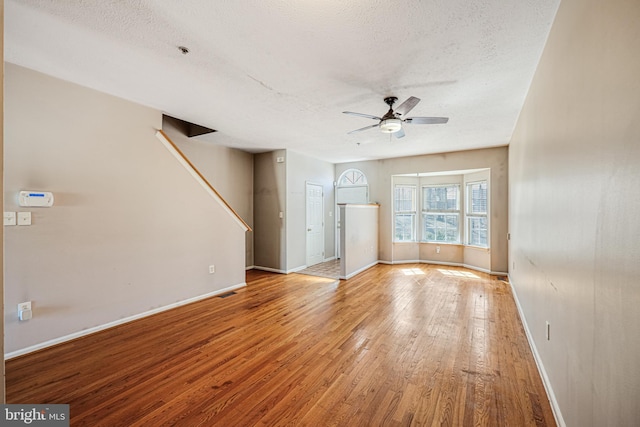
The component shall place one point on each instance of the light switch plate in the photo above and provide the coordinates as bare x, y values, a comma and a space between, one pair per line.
24, 218
24, 306
9, 218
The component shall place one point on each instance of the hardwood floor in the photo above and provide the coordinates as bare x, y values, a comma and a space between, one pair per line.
396, 345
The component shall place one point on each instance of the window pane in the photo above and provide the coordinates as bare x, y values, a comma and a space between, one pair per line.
440, 228
478, 197
429, 221
404, 198
405, 213
429, 234
478, 232
440, 198
404, 226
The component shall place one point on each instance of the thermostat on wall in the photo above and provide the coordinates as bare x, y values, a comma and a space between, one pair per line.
38, 199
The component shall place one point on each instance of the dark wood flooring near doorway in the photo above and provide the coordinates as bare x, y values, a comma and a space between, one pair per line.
396, 345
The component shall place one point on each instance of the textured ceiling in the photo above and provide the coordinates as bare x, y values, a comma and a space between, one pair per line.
271, 74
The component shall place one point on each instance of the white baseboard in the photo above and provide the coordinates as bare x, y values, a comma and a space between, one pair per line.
269, 269
499, 273
276, 270
404, 261
360, 270
331, 258
99, 328
555, 407
451, 264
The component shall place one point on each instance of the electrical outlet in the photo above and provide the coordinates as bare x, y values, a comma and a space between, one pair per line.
212, 269
437, 249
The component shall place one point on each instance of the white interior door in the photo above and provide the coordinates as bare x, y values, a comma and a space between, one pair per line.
315, 224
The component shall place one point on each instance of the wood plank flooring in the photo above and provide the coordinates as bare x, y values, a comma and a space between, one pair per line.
396, 345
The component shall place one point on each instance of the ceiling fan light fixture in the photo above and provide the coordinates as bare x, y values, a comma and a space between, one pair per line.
391, 125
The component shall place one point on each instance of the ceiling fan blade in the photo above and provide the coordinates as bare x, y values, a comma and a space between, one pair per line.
407, 105
368, 116
399, 134
426, 120
364, 128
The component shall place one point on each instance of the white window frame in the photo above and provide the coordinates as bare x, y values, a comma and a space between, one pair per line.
412, 213
474, 216
446, 212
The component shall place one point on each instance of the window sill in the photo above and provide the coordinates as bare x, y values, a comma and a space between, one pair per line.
479, 248
442, 243
483, 248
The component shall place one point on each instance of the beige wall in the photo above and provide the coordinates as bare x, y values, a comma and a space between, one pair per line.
574, 203
302, 169
2, 398
269, 231
131, 231
380, 174
228, 170
280, 243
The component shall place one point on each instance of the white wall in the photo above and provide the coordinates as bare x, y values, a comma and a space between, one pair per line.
574, 203
131, 230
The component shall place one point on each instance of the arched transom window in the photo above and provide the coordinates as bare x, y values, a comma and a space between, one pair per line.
352, 187
352, 177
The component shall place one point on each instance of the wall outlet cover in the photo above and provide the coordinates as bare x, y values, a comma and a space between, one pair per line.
10, 218
24, 218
